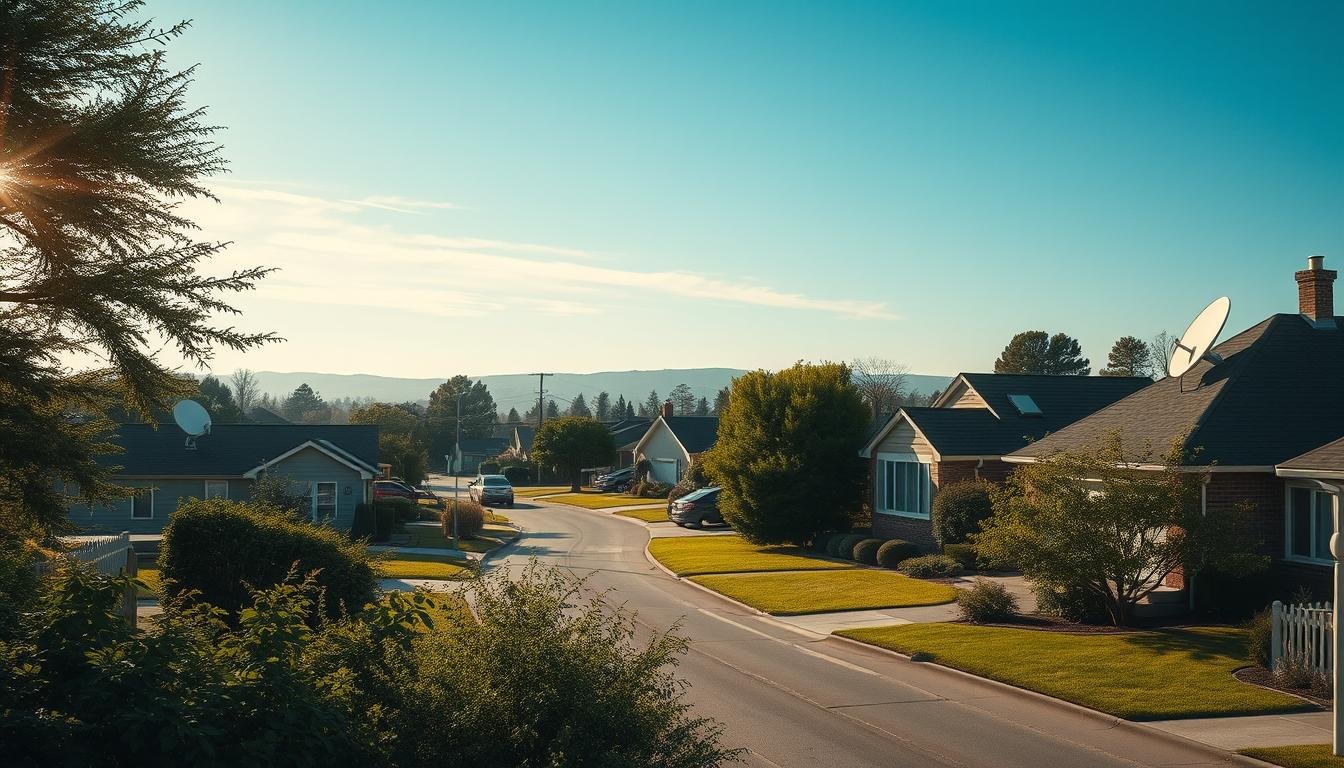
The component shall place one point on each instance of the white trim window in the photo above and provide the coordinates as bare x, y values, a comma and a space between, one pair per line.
324, 502
903, 486
216, 489
142, 505
1308, 522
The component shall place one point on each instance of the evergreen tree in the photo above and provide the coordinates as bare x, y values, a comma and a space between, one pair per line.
304, 406
619, 412
478, 414
1130, 356
513, 416
99, 146
682, 399
1036, 352
702, 407
629, 410
580, 408
602, 407
652, 405
218, 401
720, 402
552, 410
530, 417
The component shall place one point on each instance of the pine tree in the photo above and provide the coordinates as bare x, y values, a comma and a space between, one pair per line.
652, 405
620, 410
602, 407
702, 407
682, 399
513, 416
552, 410
580, 408
629, 410
1130, 356
1036, 352
218, 401
720, 402
478, 413
305, 406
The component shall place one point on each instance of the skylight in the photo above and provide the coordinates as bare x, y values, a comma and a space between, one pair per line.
1025, 405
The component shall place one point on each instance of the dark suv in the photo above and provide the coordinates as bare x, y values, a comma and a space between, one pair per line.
491, 490
696, 508
618, 480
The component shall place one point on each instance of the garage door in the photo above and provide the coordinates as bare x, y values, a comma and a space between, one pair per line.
664, 470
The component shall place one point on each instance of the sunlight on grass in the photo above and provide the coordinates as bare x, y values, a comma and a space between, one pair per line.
694, 555
540, 490
795, 592
1137, 676
1296, 756
150, 575
605, 500
401, 566
651, 515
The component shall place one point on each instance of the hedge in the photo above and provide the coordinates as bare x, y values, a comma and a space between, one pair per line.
890, 554
929, 567
842, 546
958, 510
964, 554
866, 551
221, 549
362, 525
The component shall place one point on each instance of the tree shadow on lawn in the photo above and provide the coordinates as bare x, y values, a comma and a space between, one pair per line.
1220, 642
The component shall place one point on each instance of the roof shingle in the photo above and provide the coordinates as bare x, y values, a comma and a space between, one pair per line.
230, 450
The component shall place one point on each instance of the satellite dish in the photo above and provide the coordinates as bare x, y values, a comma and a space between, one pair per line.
192, 417
1197, 341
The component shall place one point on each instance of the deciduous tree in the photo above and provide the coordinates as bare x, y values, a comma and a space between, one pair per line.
246, 389
682, 399
440, 423
1159, 350
881, 382
218, 401
570, 443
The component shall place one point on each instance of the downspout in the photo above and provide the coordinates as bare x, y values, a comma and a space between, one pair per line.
1204, 512
980, 462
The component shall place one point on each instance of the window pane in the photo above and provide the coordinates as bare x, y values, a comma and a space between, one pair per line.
143, 506
1325, 524
325, 507
216, 489
1300, 516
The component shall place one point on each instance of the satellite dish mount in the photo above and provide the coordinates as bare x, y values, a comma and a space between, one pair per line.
1197, 342
193, 419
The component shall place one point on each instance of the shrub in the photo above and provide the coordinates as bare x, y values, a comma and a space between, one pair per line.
866, 551
520, 474
650, 489
1071, 603
987, 601
821, 542
959, 509
488, 467
384, 519
1259, 638
693, 480
222, 548
470, 519
893, 552
361, 527
929, 567
842, 546
403, 510
964, 554
1293, 670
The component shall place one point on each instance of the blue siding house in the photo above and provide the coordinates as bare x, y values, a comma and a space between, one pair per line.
333, 466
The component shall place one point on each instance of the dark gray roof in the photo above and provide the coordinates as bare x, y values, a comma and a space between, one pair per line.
627, 436
977, 432
1275, 396
485, 446
261, 415
525, 434
1327, 458
696, 434
231, 450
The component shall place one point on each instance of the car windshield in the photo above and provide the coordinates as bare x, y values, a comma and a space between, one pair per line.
494, 480
700, 494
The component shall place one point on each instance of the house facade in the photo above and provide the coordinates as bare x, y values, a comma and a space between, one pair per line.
965, 435
1263, 420
672, 443
333, 466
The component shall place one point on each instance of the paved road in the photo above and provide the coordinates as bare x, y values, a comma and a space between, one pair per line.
794, 698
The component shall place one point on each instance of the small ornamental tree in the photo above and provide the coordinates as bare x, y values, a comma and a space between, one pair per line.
787, 453
1116, 534
959, 509
569, 444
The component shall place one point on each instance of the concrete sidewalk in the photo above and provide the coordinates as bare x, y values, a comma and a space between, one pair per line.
1233, 733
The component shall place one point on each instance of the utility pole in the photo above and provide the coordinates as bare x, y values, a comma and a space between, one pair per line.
457, 449
541, 407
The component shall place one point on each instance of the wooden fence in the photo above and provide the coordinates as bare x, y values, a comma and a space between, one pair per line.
110, 555
1305, 631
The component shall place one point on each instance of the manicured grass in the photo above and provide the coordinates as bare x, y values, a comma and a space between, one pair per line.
1296, 756
795, 592
605, 500
150, 575
399, 566
695, 555
431, 537
650, 515
539, 490
1137, 676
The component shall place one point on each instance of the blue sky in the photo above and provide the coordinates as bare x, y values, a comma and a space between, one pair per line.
498, 187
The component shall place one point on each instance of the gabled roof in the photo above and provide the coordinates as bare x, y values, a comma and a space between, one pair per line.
490, 446
629, 435
260, 415
332, 452
1275, 396
1001, 428
696, 434
232, 450
1325, 461
525, 433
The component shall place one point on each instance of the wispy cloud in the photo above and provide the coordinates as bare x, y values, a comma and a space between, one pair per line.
403, 204
384, 266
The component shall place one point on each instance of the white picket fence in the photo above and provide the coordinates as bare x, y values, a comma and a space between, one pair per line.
110, 555
1304, 630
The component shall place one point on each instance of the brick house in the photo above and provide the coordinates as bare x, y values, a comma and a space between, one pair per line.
1266, 422
965, 434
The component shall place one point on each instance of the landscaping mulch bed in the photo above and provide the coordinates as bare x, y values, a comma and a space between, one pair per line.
1262, 677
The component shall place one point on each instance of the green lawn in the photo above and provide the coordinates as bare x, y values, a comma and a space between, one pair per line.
650, 515
605, 500
1297, 756
492, 536
795, 592
540, 490
150, 575
1137, 676
695, 555
399, 566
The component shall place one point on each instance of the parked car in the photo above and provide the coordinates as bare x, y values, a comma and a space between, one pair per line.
696, 508
491, 490
425, 493
385, 489
615, 481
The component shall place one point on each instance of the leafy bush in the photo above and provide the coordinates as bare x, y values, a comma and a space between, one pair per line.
959, 509
985, 602
1293, 670
693, 480
520, 474
866, 551
820, 542
384, 519
403, 510
470, 518
222, 549
964, 554
1259, 642
488, 467
361, 527
650, 489
842, 546
929, 567
279, 492
894, 552
1071, 603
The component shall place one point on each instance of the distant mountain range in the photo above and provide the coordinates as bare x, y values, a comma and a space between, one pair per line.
519, 390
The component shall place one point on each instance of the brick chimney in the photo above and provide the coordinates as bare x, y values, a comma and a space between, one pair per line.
1316, 291
667, 408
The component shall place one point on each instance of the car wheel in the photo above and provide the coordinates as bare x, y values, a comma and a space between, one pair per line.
510, 504
697, 524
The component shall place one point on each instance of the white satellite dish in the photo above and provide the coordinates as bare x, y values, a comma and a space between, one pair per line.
192, 417
1197, 341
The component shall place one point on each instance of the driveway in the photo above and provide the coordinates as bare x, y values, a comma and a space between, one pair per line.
797, 697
